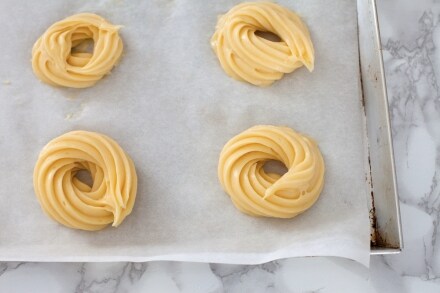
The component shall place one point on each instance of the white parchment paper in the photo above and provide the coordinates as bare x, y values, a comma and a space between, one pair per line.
172, 108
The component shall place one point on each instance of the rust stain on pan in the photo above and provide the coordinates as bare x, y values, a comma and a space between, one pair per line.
372, 213
373, 233
368, 177
376, 238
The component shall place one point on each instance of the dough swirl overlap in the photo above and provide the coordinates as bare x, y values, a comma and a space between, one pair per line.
73, 203
257, 193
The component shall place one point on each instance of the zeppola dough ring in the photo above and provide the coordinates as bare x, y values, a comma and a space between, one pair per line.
246, 56
73, 203
54, 62
257, 193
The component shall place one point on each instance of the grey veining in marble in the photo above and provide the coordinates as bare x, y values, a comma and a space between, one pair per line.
411, 40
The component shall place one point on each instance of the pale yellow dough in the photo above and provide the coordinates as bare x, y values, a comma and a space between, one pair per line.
73, 203
54, 62
257, 193
248, 57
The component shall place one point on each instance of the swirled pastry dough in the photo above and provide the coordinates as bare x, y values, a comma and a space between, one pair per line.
257, 193
54, 61
246, 56
72, 202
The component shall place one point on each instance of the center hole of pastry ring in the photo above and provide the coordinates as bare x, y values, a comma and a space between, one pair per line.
268, 36
85, 177
86, 45
275, 167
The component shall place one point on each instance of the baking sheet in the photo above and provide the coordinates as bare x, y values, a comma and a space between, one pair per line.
172, 108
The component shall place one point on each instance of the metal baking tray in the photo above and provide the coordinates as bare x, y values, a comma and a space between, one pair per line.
386, 231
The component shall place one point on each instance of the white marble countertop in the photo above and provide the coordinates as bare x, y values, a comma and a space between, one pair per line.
410, 36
